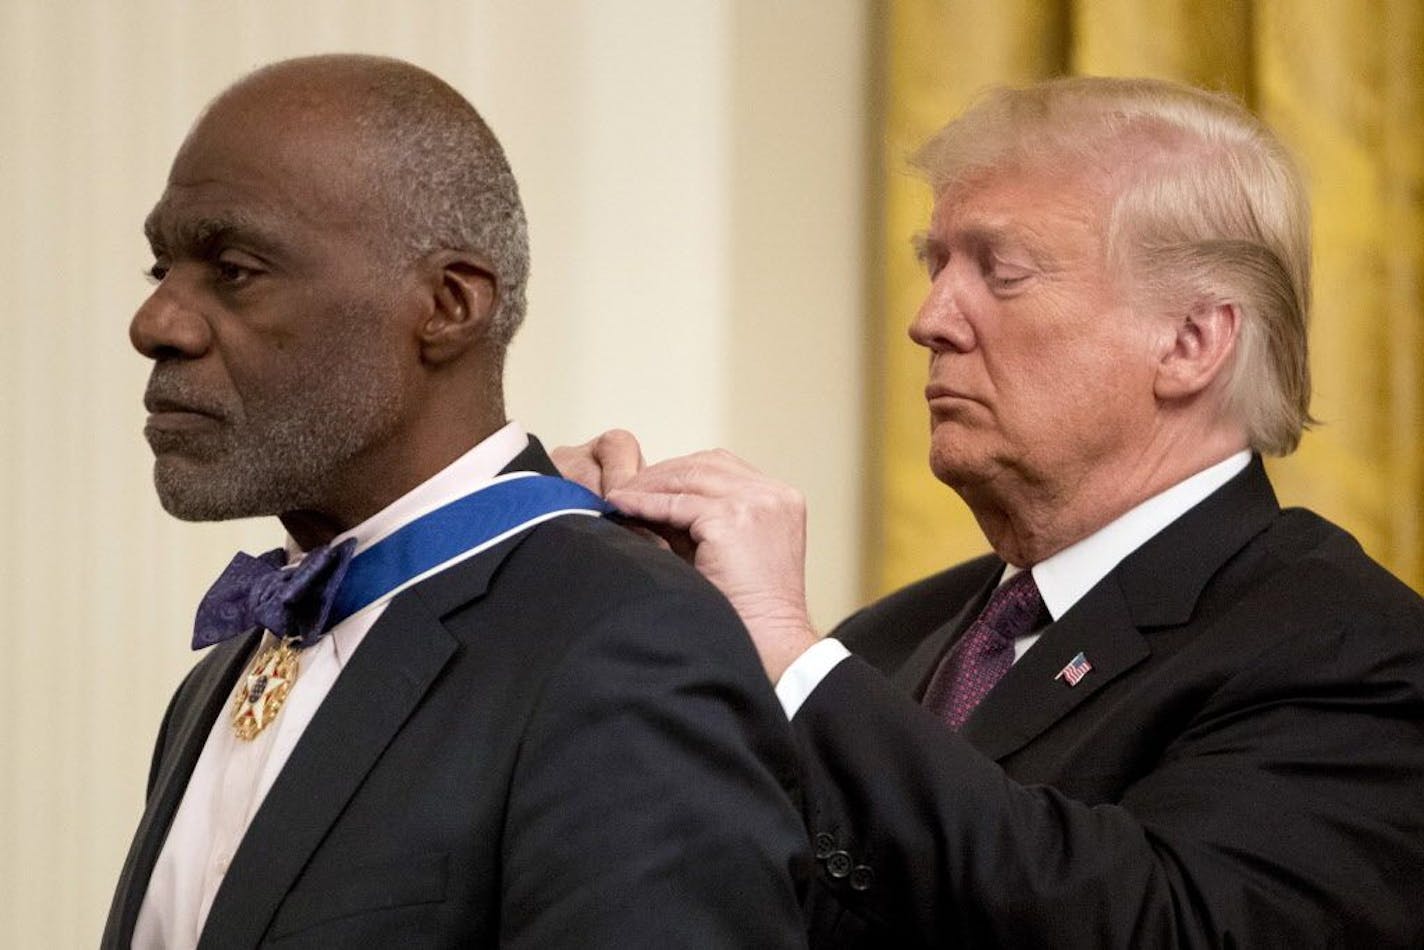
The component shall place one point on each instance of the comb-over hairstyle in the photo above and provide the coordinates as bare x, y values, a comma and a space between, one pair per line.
1206, 207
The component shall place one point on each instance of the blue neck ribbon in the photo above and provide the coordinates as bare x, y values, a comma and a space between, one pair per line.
466, 525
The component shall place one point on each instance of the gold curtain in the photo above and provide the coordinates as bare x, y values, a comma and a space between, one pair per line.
1340, 82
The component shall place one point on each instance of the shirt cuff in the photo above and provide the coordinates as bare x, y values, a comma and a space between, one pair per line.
806, 672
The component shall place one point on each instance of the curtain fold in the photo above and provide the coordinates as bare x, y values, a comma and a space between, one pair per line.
1341, 84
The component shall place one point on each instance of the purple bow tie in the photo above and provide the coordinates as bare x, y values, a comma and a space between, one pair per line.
257, 592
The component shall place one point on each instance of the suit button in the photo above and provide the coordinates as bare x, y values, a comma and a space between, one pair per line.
825, 844
838, 864
861, 877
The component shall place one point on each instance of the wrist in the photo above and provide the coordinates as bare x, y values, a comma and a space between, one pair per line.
780, 638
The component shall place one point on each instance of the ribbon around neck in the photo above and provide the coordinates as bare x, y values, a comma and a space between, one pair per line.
330, 584
465, 527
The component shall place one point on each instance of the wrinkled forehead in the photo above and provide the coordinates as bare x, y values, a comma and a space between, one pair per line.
1036, 216
999, 195
248, 160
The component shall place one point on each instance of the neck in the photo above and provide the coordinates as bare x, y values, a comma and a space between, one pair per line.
311, 529
1028, 522
372, 480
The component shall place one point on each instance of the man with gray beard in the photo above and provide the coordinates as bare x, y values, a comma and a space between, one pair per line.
458, 707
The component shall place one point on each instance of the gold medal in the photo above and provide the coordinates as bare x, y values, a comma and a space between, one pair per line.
262, 691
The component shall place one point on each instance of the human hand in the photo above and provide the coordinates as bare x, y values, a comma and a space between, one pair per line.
602, 463
744, 531
607, 461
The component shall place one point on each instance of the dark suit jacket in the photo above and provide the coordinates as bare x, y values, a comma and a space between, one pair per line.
1243, 766
566, 741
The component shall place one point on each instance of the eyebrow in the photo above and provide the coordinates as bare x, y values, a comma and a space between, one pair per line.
979, 237
923, 245
199, 234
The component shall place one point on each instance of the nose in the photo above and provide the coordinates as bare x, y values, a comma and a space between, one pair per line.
941, 324
165, 326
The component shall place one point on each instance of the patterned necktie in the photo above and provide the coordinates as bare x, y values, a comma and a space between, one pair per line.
985, 652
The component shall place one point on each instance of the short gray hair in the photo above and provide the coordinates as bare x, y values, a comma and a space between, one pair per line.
438, 171
1207, 208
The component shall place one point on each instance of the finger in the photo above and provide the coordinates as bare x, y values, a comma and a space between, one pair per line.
713, 473
618, 456
672, 539
577, 464
654, 534
662, 509
676, 540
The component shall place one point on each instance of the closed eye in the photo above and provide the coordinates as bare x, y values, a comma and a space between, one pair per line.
1007, 281
1003, 275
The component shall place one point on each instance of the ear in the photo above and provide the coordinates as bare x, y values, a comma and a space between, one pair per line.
463, 298
1199, 347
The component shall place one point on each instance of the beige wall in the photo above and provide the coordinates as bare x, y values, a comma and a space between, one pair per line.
693, 175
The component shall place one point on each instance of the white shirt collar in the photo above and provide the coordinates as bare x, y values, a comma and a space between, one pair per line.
456, 480
1066, 576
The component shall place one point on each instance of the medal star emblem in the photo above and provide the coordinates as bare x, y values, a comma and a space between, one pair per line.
263, 689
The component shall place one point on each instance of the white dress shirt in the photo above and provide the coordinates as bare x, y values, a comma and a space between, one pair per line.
232, 776
1062, 579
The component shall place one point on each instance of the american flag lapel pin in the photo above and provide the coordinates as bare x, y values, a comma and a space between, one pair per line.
1077, 668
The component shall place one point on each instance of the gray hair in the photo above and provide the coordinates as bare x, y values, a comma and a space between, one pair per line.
1207, 208
437, 170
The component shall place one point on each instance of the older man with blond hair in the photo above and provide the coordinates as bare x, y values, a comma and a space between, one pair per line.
1164, 712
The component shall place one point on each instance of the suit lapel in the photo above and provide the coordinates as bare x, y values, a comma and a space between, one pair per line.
532, 458
1156, 586
914, 674
1030, 698
210, 688
366, 707
381, 685
370, 700
1162, 580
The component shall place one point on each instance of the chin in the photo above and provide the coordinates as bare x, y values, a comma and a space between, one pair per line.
187, 504
190, 494
953, 461
954, 472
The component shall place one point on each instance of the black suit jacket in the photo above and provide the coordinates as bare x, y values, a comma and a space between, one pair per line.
566, 741
1243, 766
